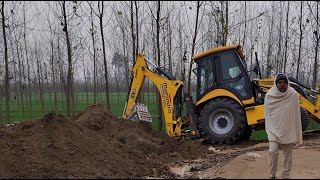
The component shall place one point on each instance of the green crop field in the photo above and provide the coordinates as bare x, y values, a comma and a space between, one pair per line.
36, 110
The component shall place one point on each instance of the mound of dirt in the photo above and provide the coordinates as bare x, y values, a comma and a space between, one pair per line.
93, 144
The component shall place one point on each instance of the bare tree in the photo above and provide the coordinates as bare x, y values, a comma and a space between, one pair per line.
21, 73
225, 24
121, 25
300, 40
104, 56
132, 33
6, 63
70, 72
193, 44
159, 110
317, 36
270, 42
278, 63
245, 24
286, 39
137, 27
92, 31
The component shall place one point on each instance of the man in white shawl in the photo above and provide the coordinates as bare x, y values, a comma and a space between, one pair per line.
283, 123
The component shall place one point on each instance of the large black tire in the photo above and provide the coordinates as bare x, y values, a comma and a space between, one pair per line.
304, 119
304, 113
246, 133
222, 121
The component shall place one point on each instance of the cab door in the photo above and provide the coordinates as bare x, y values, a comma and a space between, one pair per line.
232, 74
206, 76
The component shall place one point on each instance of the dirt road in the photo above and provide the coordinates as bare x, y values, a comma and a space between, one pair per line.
252, 162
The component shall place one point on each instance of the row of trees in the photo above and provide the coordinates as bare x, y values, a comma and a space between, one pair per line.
64, 46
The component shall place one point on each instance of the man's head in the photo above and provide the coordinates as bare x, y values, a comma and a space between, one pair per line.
282, 82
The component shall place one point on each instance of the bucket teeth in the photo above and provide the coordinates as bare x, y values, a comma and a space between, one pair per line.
140, 112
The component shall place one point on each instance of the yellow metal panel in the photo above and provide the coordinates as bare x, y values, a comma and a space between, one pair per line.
318, 103
136, 84
214, 50
255, 114
218, 93
307, 105
248, 101
265, 82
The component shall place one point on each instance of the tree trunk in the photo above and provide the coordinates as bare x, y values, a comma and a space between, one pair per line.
87, 91
105, 60
94, 62
169, 46
14, 76
193, 46
126, 65
278, 63
158, 97
300, 42
6, 63
69, 75
85, 80
245, 24
137, 28
132, 34
286, 40
181, 65
39, 78
117, 87
20, 67
226, 28
61, 77
154, 53
48, 89
315, 65
269, 63
28, 64
53, 77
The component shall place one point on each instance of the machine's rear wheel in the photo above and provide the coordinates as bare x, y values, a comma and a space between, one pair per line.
222, 121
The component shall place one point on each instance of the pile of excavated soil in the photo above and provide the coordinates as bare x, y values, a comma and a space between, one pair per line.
93, 144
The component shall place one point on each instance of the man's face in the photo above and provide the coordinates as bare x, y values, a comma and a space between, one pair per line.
282, 85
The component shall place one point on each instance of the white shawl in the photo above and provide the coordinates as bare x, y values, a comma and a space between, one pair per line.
282, 115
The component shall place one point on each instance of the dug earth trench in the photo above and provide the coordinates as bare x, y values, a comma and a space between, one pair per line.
96, 144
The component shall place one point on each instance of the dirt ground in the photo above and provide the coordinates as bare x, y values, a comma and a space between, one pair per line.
95, 144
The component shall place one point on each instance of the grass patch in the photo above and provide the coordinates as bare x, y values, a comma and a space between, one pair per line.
35, 109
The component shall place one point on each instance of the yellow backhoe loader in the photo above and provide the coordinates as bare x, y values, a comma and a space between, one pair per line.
228, 105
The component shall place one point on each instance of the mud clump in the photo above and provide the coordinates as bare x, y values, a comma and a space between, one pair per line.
92, 144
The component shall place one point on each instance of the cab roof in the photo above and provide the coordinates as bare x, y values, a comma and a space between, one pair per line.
216, 50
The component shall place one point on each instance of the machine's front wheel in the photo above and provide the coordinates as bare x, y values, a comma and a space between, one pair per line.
222, 121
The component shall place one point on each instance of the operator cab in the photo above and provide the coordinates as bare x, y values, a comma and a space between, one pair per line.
222, 68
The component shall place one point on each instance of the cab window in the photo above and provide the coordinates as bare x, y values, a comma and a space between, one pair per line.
233, 74
206, 75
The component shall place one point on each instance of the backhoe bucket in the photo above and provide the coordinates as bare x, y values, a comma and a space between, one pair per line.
140, 113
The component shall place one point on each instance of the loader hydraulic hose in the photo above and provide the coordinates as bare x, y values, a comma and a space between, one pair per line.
162, 71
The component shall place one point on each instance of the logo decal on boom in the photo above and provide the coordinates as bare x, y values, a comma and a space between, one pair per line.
165, 96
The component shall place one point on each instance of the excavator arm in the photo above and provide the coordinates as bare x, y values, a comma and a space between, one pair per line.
170, 91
